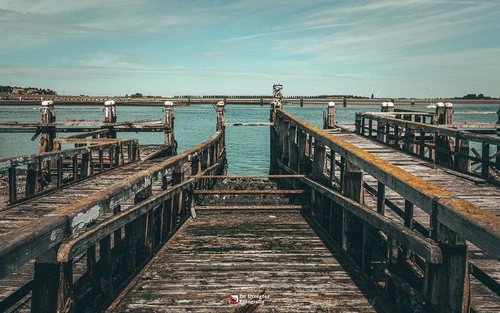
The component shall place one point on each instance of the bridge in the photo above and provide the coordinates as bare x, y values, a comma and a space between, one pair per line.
396, 213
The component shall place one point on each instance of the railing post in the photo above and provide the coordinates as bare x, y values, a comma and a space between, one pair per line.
283, 136
110, 116
65, 299
497, 159
446, 285
168, 122
301, 143
220, 115
46, 283
444, 113
352, 233
462, 163
292, 148
319, 162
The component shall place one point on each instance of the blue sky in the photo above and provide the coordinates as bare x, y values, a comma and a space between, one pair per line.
391, 48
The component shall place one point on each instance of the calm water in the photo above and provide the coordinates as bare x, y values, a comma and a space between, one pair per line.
247, 147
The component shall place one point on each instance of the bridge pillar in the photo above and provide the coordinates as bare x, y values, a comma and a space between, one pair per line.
168, 122
220, 114
447, 285
110, 116
329, 118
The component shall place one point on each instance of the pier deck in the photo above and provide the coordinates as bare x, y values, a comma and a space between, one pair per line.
473, 189
272, 254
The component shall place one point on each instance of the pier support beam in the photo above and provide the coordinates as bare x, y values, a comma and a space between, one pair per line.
168, 122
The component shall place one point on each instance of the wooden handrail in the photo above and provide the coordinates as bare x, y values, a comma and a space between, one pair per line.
16, 251
478, 226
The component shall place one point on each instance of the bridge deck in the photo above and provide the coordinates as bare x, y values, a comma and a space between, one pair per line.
474, 190
275, 255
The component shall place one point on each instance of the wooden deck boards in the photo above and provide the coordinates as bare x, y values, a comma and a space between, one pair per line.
273, 254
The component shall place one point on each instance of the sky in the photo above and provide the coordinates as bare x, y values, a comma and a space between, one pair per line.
389, 48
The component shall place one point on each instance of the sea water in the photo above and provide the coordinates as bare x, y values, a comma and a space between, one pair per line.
247, 146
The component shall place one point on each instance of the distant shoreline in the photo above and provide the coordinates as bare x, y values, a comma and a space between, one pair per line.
241, 101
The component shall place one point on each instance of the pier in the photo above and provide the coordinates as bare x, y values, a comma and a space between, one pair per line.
396, 212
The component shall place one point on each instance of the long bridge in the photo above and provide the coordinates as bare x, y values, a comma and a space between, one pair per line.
397, 212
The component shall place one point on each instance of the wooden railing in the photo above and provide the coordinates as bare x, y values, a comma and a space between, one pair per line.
464, 151
125, 241
431, 268
51, 170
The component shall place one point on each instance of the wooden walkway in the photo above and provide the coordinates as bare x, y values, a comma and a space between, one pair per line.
272, 257
14, 217
472, 189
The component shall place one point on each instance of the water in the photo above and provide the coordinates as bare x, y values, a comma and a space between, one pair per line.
247, 147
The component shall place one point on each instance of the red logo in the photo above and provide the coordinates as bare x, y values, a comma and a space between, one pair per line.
233, 299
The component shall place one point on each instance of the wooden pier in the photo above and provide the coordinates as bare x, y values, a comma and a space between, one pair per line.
392, 216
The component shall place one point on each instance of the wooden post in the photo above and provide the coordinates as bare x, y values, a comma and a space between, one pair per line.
446, 285
462, 162
390, 106
448, 113
48, 135
283, 136
301, 143
65, 300
110, 116
344, 102
319, 162
330, 118
46, 283
497, 159
168, 122
439, 117
293, 157
352, 234
444, 113
220, 115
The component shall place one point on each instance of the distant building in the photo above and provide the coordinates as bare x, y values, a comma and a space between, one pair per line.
18, 91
